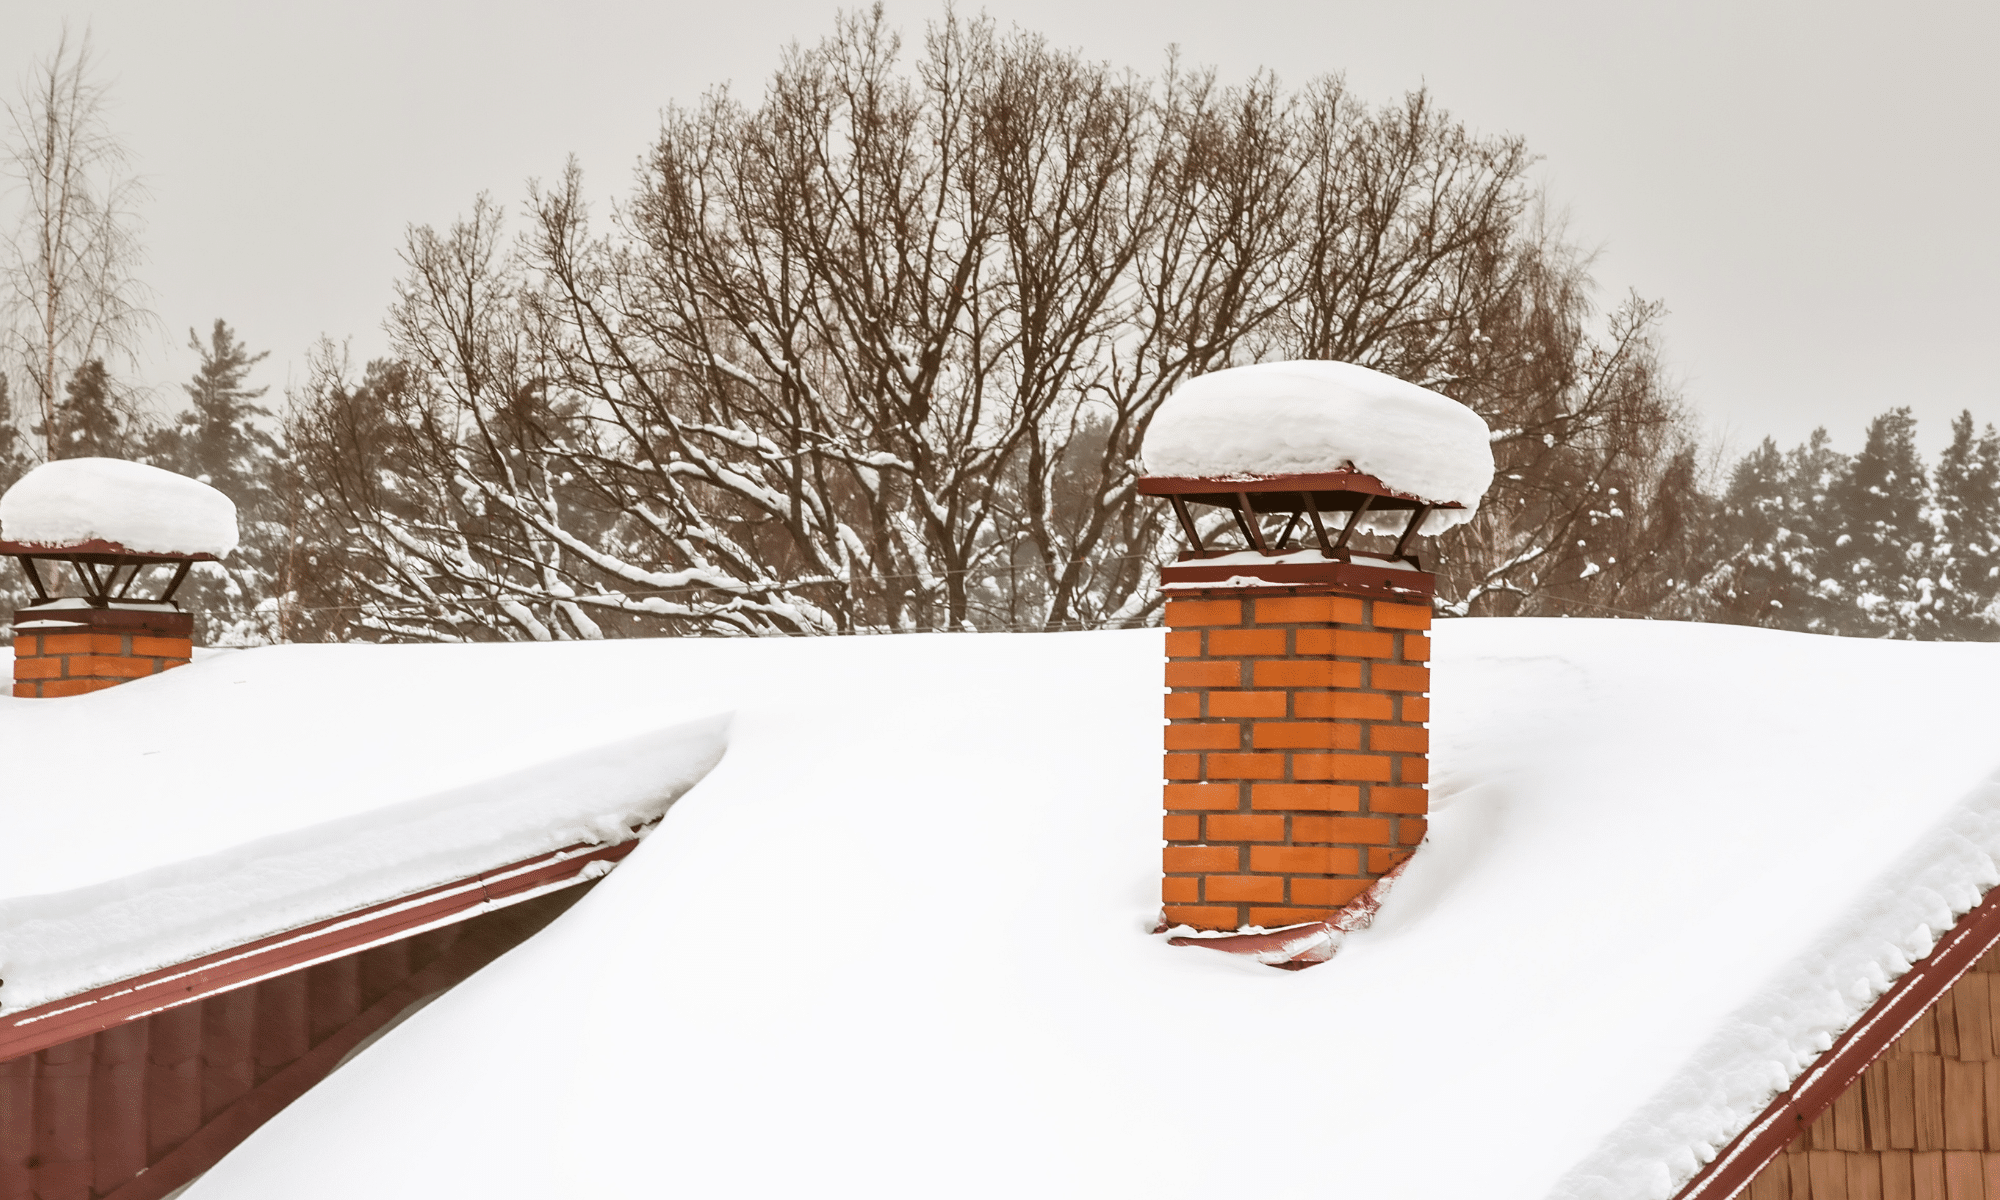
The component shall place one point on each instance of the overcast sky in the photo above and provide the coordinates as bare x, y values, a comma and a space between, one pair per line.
1809, 187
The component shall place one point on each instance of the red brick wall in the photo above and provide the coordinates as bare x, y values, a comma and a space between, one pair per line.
101, 651
1295, 753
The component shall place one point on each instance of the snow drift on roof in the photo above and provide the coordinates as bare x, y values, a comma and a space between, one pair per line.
897, 936
139, 507
1307, 416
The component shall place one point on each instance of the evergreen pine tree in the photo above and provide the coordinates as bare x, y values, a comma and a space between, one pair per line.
218, 441
1766, 577
1812, 529
1773, 537
1880, 561
1967, 486
92, 418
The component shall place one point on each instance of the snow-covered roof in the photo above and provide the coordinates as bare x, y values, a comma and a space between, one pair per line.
253, 792
1309, 417
142, 508
898, 935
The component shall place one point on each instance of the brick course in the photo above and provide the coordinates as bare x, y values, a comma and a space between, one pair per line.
1296, 752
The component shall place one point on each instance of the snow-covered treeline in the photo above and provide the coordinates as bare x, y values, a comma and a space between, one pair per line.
1873, 544
876, 352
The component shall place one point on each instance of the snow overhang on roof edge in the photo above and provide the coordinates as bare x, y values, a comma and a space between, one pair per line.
1841, 1065
109, 1005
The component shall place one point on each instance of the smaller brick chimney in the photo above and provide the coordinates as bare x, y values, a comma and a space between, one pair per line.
105, 544
68, 651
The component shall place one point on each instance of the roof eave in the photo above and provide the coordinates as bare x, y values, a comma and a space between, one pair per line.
1837, 1069
103, 1007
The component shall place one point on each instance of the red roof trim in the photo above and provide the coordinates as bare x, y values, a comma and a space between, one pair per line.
1319, 481
226, 1129
1834, 1071
101, 1008
97, 546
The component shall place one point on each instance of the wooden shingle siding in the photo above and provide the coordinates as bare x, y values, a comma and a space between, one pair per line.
1923, 1122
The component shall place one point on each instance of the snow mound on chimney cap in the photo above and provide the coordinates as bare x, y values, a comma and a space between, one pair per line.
141, 508
1311, 416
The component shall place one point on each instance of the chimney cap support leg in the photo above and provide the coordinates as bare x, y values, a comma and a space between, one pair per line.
34, 579
95, 590
1410, 532
1286, 536
1246, 519
1319, 527
1347, 531
1188, 526
173, 585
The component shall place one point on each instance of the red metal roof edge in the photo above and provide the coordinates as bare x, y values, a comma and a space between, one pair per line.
228, 1128
101, 1008
98, 546
1836, 1070
1320, 481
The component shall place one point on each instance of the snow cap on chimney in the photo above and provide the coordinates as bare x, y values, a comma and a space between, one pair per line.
75, 501
1310, 417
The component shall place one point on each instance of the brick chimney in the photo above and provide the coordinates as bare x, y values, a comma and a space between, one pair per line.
68, 651
105, 545
1296, 746
1297, 674
1296, 742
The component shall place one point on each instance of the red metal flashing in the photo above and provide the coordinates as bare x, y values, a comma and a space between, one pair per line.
98, 1009
1307, 944
167, 622
1836, 1070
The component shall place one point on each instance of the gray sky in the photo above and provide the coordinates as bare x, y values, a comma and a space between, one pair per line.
1810, 187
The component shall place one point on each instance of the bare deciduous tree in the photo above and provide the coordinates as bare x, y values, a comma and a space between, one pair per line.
70, 293
879, 352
